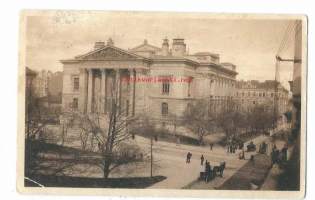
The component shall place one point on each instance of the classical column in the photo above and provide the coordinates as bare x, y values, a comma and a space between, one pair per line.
103, 90
117, 87
83, 90
90, 91
132, 76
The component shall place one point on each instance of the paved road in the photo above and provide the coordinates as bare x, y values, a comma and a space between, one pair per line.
169, 161
179, 174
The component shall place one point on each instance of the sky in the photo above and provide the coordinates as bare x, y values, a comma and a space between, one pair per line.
250, 44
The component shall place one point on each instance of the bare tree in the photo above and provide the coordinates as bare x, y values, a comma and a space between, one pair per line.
231, 120
198, 119
261, 118
111, 133
36, 118
146, 127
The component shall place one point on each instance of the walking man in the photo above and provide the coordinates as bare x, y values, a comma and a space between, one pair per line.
201, 160
208, 171
190, 155
187, 158
211, 146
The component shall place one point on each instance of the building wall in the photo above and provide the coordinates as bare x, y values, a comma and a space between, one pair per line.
68, 93
248, 96
189, 81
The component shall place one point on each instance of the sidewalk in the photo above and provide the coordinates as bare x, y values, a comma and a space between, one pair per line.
237, 170
250, 176
272, 179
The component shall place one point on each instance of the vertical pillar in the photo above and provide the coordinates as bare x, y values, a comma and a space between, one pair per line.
90, 91
103, 91
132, 82
83, 90
117, 87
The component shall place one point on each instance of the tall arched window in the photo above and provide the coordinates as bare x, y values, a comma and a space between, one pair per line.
164, 109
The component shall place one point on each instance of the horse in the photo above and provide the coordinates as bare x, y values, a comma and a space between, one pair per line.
219, 169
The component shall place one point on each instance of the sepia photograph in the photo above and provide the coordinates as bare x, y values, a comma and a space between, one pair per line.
187, 103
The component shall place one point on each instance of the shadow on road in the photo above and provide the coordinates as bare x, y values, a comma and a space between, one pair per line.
82, 182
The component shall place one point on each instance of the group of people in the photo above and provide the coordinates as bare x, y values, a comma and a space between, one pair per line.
279, 156
233, 145
263, 148
207, 173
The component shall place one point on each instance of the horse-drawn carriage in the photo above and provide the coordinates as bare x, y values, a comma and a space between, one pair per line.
251, 147
212, 173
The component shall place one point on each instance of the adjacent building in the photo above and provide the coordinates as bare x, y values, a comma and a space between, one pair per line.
41, 83
268, 93
158, 81
29, 82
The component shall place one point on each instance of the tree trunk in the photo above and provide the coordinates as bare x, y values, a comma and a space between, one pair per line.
106, 167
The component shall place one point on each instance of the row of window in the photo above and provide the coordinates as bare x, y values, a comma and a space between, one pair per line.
165, 86
258, 94
222, 83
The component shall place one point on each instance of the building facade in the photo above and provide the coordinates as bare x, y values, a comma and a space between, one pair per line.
158, 81
41, 83
252, 93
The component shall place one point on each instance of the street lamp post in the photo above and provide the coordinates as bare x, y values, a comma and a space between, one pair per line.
151, 148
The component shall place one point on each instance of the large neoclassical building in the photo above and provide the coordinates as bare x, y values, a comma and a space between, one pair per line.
155, 80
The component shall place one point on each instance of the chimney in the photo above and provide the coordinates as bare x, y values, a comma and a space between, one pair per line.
99, 45
165, 47
110, 42
178, 47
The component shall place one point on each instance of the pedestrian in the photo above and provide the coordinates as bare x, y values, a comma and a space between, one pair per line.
242, 155
208, 172
273, 156
277, 155
211, 146
205, 173
284, 152
187, 158
201, 160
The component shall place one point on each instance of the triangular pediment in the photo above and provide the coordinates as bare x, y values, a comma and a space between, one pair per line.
110, 53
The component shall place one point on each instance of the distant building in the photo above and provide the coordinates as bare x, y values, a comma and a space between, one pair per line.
41, 83
46, 88
55, 84
252, 93
29, 82
165, 80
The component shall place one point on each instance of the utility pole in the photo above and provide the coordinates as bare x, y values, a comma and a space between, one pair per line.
151, 147
278, 60
275, 103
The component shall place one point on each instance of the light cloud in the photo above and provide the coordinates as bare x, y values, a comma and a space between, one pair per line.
250, 44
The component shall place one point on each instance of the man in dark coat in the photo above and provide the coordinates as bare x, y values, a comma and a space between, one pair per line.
208, 172
201, 160
284, 152
187, 157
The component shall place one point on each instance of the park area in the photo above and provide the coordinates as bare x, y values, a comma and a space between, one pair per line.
67, 165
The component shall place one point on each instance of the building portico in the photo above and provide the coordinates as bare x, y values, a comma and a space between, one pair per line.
145, 80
